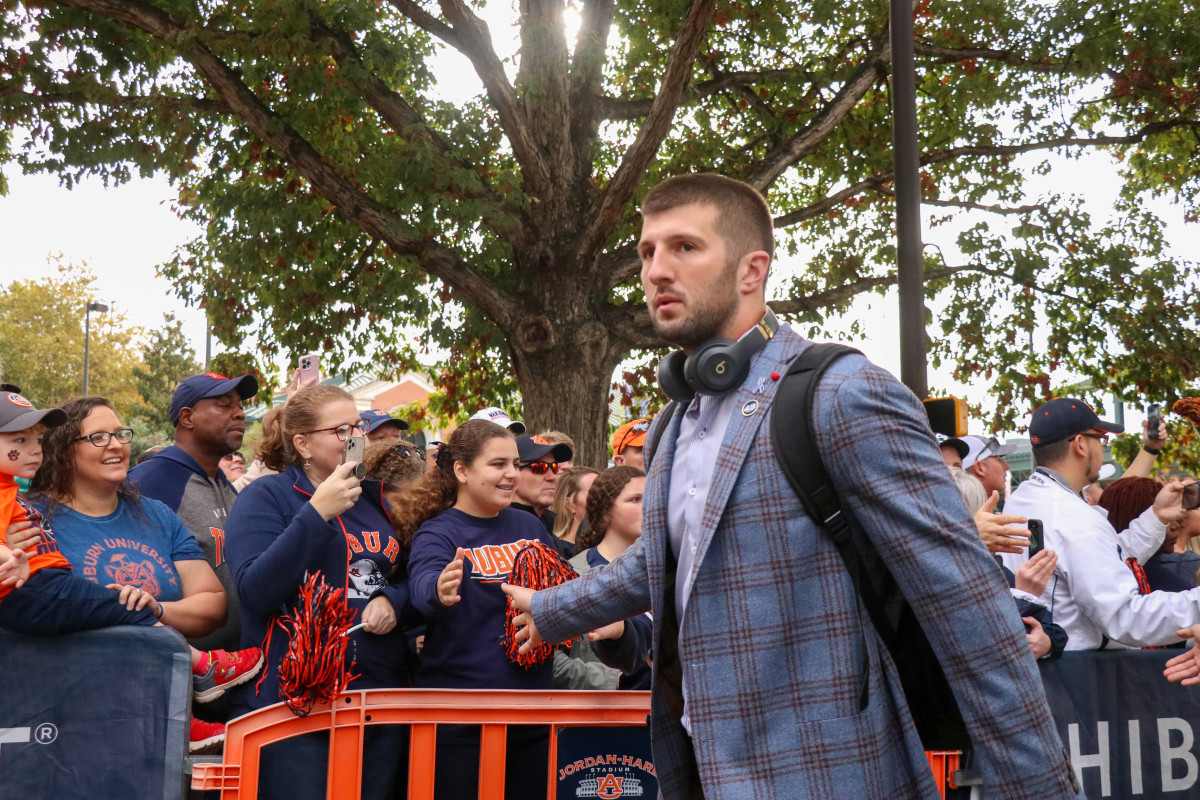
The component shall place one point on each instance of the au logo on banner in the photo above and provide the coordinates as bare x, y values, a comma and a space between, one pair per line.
608, 763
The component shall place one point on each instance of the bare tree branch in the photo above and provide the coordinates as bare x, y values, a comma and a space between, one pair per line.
587, 74
625, 180
885, 178
429, 23
543, 83
988, 54
476, 44
966, 204
871, 70
620, 264
620, 109
355, 205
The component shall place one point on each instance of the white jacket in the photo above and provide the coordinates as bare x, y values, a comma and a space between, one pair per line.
1092, 593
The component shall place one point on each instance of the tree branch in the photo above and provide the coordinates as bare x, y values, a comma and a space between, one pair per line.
773, 164
613, 108
966, 204
354, 204
429, 23
64, 93
476, 44
587, 75
625, 180
884, 178
543, 81
988, 54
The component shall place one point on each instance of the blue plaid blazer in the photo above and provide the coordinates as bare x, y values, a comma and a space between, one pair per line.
772, 637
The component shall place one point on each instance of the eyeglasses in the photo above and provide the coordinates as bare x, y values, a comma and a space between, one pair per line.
1100, 437
342, 431
100, 438
404, 451
540, 467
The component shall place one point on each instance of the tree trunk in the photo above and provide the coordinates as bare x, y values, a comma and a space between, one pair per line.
565, 376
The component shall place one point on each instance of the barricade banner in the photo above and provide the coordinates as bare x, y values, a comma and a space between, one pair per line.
1129, 732
608, 763
101, 714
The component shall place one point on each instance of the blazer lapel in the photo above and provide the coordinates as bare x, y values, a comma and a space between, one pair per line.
751, 404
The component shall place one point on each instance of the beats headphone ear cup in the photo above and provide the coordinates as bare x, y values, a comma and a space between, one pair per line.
671, 378
715, 367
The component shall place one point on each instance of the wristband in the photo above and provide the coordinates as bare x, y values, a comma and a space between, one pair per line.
161, 611
1152, 450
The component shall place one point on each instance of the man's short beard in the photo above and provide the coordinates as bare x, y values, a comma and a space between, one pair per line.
705, 321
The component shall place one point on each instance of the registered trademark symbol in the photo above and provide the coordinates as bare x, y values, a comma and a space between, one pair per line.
45, 733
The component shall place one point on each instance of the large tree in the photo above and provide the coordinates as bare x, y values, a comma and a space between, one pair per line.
347, 201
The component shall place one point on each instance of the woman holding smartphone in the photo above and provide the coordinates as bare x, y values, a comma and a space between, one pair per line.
464, 537
317, 516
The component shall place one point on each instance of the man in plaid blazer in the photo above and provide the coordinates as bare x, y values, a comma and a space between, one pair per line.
758, 634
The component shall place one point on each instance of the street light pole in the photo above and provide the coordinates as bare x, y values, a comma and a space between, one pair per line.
99, 308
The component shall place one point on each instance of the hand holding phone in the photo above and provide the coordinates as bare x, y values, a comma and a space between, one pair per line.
1191, 496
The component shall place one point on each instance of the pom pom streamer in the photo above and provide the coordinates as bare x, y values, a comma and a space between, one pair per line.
1188, 407
313, 668
535, 566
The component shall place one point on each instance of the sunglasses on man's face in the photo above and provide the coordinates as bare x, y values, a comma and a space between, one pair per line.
540, 467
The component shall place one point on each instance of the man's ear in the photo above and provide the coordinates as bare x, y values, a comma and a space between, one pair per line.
185, 418
752, 272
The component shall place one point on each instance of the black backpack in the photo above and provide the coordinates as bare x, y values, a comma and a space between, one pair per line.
930, 700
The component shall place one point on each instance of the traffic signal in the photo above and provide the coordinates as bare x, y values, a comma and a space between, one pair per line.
947, 415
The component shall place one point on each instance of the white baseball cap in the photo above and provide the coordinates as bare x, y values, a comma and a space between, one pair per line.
979, 449
501, 418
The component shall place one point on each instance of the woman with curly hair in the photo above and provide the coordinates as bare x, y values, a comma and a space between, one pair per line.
464, 537
614, 513
316, 516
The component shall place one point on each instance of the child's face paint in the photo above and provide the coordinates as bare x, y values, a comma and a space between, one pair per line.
24, 449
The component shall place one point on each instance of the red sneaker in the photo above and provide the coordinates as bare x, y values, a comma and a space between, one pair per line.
206, 738
225, 669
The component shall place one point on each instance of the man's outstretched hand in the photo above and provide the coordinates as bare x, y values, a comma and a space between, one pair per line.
1185, 667
527, 632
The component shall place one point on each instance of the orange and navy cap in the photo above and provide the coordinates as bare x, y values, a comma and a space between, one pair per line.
535, 448
1063, 418
631, 434
18, 414
374, 419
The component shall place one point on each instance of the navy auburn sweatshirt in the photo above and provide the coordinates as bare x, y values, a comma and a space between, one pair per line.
464, 643
274, 537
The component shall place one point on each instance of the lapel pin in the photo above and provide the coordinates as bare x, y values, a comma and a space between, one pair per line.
774, 376
759, 388
749, 408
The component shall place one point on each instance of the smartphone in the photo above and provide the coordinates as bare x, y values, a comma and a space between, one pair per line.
1191, 496
310, 369
1153, 420
1037, 537
352, 450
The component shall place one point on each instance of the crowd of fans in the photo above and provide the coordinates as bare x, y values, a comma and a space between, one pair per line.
195, 538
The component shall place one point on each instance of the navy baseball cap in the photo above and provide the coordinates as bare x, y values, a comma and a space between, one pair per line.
535, 448
1063, 418
958, 445
18, 414
375, 419
210, 384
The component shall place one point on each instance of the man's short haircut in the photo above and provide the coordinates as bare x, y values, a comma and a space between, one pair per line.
1047, 454
743, 221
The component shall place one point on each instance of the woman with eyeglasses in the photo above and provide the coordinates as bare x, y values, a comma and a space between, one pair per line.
316, 516
464, 536
136, 546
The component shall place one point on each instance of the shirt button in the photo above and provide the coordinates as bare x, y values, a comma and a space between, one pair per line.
701, 434
691, 491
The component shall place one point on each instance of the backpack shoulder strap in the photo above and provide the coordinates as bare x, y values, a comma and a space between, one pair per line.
796, 445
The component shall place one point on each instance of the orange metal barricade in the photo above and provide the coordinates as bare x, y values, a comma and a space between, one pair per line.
423, 710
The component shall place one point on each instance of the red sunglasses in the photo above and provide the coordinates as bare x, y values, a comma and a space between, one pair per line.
540, 467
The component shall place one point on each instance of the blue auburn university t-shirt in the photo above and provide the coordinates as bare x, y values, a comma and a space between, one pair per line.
464, 643
132, 546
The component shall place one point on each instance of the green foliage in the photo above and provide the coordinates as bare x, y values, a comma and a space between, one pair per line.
42, 347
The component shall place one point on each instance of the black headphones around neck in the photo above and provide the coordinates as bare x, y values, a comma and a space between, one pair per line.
716, 366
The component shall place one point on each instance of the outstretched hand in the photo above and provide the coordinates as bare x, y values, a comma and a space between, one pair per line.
527, 633
996, 531
450, 579
1185, 668
15, 571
